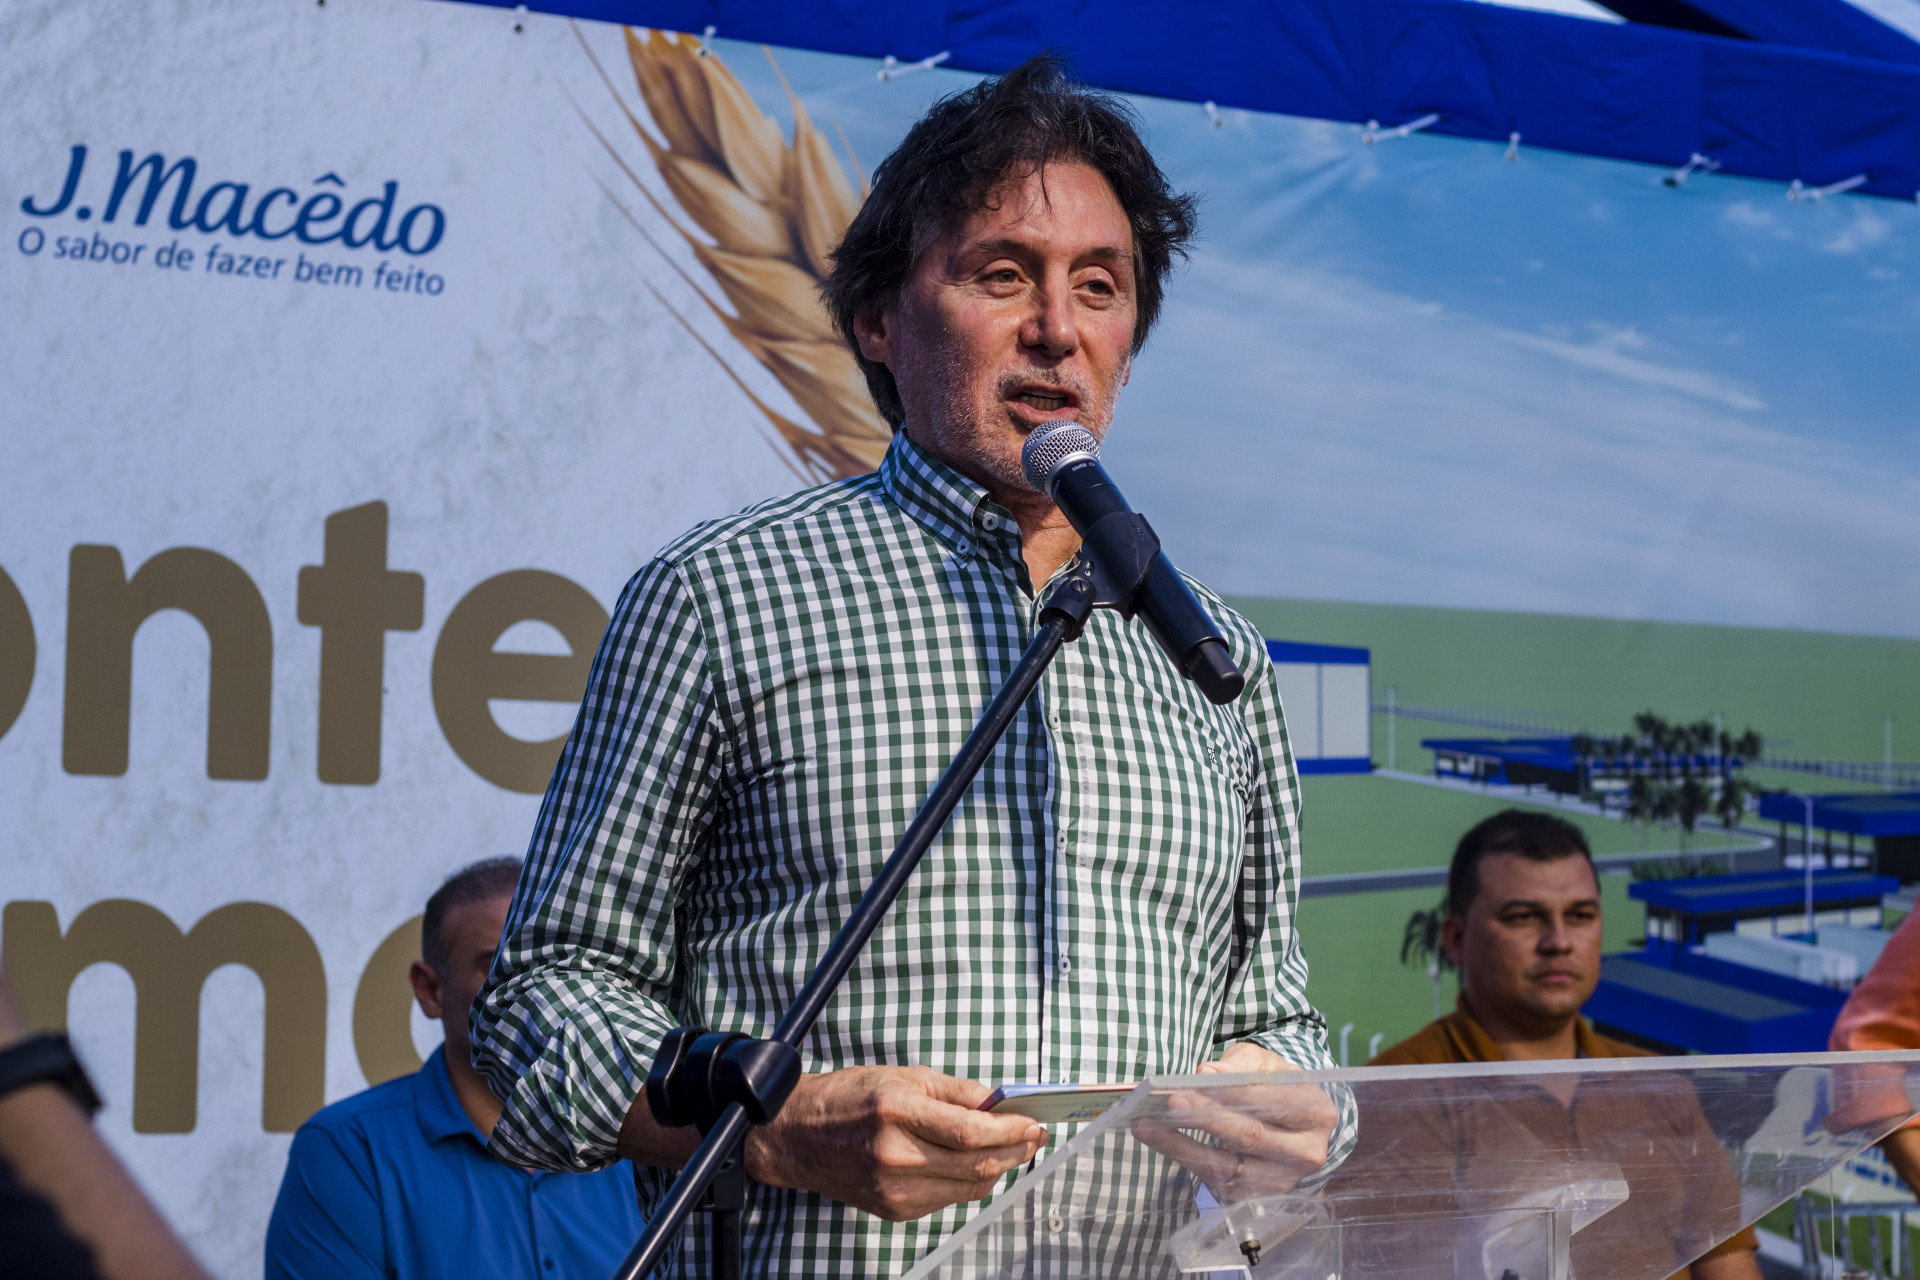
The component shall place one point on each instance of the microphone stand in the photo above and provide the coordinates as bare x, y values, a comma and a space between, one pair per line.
726, 1083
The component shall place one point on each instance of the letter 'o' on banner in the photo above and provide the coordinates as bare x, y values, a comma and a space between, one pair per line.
16, 652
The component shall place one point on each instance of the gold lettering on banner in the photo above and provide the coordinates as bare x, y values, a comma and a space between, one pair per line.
17, 652
383, 1008
467, 672
355, 600
169, 969
105, 609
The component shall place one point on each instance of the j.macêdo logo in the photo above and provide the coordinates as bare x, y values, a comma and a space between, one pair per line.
325, 214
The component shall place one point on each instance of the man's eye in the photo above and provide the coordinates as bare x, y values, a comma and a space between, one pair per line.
1006, 275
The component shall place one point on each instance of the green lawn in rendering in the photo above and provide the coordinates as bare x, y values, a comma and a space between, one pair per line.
1812, 694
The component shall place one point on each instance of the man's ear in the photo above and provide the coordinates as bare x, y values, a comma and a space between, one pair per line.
426, 988
1453, 938
873, 331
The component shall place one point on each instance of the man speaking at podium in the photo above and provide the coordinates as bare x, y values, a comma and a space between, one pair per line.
779, 689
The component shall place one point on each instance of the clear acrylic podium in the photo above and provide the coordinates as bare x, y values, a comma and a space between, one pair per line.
1624, 1168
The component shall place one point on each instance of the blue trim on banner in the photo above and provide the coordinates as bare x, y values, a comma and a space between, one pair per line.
1624, 91
1340, 764
1338, 655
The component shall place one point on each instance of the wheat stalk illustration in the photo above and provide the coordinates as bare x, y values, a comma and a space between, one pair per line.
771, 213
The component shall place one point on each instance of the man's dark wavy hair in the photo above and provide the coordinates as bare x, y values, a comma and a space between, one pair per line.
949, 165
1538, 837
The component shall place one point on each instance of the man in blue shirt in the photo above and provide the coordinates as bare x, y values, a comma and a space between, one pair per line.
396, 1184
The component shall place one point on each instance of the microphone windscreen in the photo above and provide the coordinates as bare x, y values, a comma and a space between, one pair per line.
1052, 445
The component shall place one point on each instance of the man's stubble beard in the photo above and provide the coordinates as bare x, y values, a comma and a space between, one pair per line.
963, 432
1547, 1008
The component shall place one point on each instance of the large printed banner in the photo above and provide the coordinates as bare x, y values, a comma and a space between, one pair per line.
355, 353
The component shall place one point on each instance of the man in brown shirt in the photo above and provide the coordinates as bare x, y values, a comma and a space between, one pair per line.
1523, 929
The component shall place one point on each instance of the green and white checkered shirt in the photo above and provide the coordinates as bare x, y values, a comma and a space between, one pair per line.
774, 697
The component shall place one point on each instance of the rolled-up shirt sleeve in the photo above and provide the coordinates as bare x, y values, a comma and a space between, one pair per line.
573, 1013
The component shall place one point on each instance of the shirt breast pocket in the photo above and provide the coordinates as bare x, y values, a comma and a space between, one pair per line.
1203, 808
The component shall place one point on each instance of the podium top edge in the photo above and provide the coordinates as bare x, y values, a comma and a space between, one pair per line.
1544, 1067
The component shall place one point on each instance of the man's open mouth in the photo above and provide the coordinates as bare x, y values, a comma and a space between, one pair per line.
1044, 403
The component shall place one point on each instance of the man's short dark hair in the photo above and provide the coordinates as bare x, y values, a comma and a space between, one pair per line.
487, 878
951, 162
1538, 836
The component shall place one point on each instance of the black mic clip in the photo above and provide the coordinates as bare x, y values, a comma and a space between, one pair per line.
1115, 555
1121, 546
695, 1076
699, 1072
1072, 600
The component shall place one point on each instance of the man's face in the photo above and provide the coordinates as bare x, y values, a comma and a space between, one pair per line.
1021, 315
1528, 948
472, 932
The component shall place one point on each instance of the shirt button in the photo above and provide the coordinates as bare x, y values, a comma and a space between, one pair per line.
962, 547
548, 1264
989, 521
1054, 1224
1066, 965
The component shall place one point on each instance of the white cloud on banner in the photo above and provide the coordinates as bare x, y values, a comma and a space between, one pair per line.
1608, 358
1423, 374
1384, 449
1866, 229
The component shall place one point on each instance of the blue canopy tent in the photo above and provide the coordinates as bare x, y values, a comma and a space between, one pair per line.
1833, 25
1809, 91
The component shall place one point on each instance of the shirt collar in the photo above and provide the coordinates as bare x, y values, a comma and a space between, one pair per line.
437, 1107
1469, 1040
948, 505
1473, 1043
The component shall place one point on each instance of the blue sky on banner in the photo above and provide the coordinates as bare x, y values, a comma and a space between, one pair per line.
1420, 373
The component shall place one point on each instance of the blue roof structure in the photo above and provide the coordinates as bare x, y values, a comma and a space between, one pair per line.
1338, 655
1713, 1007
1818, 94
1545, 753
1674, 994
1784, 891
1873, 814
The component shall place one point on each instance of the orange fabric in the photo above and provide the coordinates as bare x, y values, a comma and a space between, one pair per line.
1459, 1037
1884, 1010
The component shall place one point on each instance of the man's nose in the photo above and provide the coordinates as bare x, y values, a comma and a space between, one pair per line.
1556, 938
1051, 327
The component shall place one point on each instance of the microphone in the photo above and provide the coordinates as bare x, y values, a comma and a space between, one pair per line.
1062, 460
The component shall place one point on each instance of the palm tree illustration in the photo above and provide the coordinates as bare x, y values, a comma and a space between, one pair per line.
1420, 945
